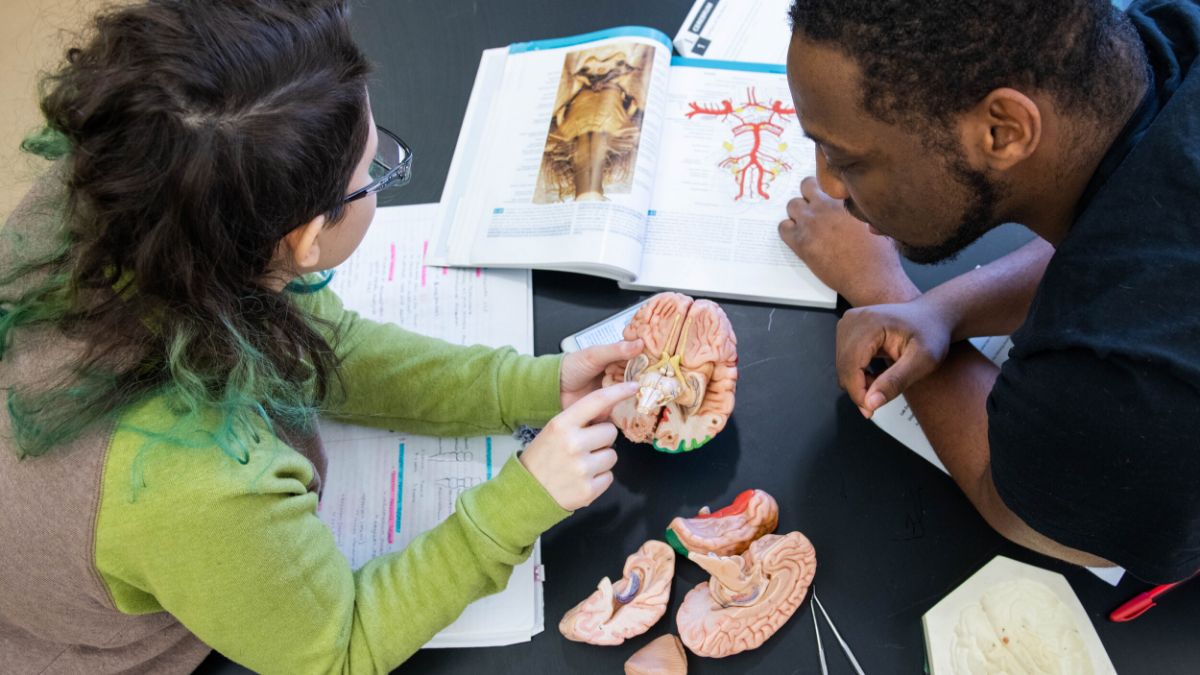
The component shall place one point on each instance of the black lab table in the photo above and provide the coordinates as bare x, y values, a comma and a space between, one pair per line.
893, 535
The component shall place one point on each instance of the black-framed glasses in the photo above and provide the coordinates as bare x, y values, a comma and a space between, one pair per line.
392, 166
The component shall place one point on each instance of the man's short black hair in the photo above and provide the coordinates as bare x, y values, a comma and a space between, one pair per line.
931, 59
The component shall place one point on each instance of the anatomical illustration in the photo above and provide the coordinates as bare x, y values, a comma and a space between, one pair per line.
629, 607
592, 145
663, 656
687, 372
728, 531
757, 131
749, 597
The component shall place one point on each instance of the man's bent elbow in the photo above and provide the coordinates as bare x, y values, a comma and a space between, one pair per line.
1010, 526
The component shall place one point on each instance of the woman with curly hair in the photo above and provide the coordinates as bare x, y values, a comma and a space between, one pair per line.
166, 344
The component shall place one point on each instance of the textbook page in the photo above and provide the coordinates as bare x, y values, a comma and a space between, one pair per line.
382, 488
757, 31
899, 421
555, 162
733, 154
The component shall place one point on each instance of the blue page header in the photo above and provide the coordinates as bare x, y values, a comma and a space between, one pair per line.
728, 65
623, 31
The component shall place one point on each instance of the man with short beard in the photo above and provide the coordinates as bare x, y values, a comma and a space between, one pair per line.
937, 121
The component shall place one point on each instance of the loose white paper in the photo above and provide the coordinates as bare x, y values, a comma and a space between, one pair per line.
756, 31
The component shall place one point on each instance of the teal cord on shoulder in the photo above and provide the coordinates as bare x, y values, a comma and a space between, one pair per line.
301, 287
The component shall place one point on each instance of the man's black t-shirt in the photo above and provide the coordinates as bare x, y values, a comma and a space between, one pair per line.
1094, 421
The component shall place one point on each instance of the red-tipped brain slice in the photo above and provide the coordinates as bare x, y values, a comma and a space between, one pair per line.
728, 531
688, 373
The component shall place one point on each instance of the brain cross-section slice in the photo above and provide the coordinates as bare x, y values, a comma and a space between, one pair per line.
687, 372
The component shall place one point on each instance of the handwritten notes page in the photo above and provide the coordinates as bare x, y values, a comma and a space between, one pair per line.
382, 487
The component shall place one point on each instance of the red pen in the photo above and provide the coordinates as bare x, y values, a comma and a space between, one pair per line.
1138, 604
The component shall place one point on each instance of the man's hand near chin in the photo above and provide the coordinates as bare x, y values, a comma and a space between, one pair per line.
862, 267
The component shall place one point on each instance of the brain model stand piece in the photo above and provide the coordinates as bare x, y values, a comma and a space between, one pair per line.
663, 656
687, 372
616, 612
728, 531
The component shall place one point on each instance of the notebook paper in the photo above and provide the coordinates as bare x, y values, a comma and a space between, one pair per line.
383, 488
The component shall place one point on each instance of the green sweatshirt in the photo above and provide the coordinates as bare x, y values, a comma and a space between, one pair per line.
238, 555
235, 553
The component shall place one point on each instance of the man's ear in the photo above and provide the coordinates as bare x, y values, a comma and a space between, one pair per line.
1004, 129
302, 243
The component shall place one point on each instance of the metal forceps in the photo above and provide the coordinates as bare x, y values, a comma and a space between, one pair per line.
821, 650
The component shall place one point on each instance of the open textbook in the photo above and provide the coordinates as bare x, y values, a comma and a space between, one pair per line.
899, 421
601, 154
382, 488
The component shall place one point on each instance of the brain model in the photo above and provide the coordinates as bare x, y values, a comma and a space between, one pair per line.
687, 372
749, 596
629, 607
728, 531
